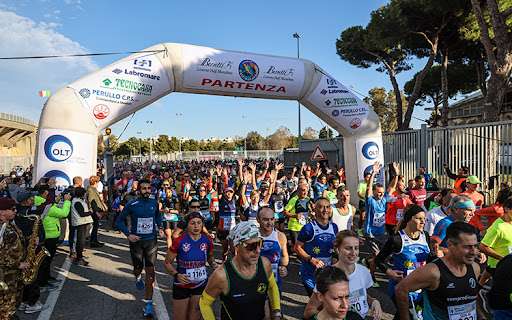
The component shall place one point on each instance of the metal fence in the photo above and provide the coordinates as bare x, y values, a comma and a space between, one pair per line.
211, 155
7, 164
485, 148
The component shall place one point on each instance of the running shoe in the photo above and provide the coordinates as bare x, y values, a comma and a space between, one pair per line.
139, 283
38, 306
23, 306
148, 310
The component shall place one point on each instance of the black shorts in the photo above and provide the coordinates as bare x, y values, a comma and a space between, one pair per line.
168, 225
362, 204
143, 253
179, 293
222, 234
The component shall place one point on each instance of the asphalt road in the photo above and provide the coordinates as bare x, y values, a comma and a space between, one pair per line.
106, 288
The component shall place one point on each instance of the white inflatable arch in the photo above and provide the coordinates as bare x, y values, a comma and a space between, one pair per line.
73, 117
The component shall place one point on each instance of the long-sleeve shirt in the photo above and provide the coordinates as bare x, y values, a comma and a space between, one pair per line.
145, 218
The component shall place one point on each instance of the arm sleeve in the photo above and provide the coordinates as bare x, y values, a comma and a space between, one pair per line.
273, 293
120, 221
392, 245
205, 305
57, 212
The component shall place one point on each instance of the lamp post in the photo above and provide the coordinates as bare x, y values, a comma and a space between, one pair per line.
297, 36
179, 114
140, 146
150, 122
245, 138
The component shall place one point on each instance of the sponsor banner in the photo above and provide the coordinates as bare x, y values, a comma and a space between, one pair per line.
338, 103
370, 150
122, 87
64, 154
236, 72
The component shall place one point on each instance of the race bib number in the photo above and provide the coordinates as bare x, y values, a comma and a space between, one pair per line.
197, 274
378, 219
463, 312
358, 302
302, 219
144, 225
228, 223
399, 214
278, 206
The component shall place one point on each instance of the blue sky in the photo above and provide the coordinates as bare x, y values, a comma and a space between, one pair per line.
41, 27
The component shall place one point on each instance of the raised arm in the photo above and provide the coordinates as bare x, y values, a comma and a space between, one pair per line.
394, 180
375, 169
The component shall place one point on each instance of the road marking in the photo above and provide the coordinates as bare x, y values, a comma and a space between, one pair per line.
54, 295
160, 309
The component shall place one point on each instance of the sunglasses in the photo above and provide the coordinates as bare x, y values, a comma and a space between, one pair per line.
253, 245
195, 207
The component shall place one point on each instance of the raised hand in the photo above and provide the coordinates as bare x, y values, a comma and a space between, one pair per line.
376, 167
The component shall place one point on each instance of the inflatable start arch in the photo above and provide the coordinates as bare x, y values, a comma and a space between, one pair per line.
72, 118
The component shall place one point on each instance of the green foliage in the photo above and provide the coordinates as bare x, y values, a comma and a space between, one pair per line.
384, 105
325, 133
310, 134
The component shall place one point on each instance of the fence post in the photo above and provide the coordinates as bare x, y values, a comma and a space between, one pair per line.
423, 147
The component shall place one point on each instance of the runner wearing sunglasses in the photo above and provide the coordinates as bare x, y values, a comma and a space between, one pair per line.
244, 282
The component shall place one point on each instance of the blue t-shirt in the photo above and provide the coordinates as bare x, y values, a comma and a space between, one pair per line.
145, 218
376, 215
191, 257
318, 190
318, 243
440, 230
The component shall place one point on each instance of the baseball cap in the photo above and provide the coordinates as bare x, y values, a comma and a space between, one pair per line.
24, 195
229, 189
473, 180
7, 203
243, 231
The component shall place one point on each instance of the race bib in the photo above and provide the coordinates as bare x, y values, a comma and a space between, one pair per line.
172, 217
399, 214
228, 223
358, 302
463, 312
144, 225
378, 219
278, 206
197, 274
302, 219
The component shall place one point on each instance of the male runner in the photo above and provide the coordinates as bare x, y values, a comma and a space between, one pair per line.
244, 282
450, 282
145, 222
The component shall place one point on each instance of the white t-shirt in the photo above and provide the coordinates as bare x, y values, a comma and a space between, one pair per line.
343, 222
433, 217
358, 282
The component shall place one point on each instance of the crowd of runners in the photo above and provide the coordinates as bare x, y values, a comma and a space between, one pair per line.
446, 251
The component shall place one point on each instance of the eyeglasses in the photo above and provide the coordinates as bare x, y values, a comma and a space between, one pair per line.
253, 245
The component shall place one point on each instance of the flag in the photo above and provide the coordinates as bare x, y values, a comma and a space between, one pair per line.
44, 93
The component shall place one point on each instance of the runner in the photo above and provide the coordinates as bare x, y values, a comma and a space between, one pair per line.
169, 206
298, 210
361, 193
274, 244
418, 194
395, 208
409, 250
343, 213
243, 282
472, 183
462, 208
145, 221
359, 277
330, 192
333, 293
191, 250
450, 283
227, 218
376, 201
314, 244
439, 213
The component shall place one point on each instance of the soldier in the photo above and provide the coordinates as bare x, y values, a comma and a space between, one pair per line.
11, 257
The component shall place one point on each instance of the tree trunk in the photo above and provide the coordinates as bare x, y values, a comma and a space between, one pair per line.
480, 73
411, 102
444, 88
499, 56
398, 95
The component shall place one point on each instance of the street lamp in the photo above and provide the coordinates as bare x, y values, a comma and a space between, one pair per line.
179, 114
297, 36
140, 146
150, 122
245, 138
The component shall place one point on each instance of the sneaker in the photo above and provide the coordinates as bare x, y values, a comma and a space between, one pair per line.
375, 284
148, 310
23, 306
38, 306
483, 297
139, 283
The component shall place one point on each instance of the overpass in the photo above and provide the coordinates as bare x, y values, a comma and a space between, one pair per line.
17, 141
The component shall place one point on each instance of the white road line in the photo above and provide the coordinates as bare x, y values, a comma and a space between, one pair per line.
160, 309
54, 295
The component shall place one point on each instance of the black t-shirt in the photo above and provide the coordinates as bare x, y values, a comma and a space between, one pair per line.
500, 295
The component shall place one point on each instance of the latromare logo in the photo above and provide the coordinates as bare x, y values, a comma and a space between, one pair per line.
58, 148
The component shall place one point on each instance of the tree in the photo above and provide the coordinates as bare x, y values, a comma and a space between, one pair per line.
462, 79
280, 139
384, 105
325, 133
161, 145
310, 134
494, 20
254, 141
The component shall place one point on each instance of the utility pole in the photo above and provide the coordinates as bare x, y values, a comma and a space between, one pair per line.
297, 36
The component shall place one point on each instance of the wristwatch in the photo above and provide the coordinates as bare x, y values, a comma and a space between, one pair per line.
277, 313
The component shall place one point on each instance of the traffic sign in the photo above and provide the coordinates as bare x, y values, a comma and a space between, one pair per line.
318, 155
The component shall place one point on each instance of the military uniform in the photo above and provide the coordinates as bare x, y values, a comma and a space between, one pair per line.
11, 255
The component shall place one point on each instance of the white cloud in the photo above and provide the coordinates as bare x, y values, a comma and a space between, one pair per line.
22, 79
